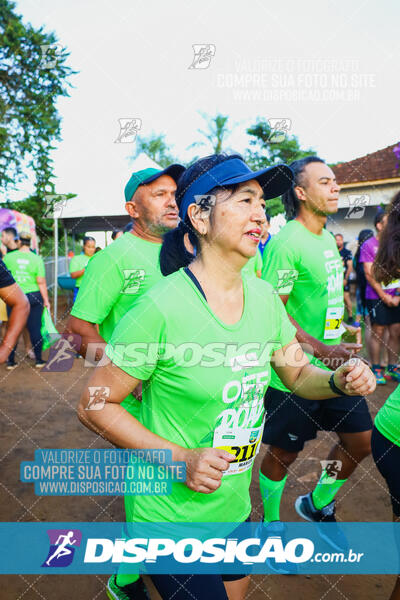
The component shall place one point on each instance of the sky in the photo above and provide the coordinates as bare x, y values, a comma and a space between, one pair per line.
330, 69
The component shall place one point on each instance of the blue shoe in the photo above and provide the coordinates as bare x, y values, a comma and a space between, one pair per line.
331, 533
275, 529
132, 591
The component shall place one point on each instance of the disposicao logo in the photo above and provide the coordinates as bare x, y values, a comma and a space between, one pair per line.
62, 547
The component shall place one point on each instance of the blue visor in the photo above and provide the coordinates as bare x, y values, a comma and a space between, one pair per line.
274, 181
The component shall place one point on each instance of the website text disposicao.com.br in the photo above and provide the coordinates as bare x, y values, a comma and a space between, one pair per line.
212, 551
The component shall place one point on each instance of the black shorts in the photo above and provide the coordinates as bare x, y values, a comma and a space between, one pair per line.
381, 314
387, 459
291, 421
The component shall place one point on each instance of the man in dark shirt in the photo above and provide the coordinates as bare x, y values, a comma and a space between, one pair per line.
347, 260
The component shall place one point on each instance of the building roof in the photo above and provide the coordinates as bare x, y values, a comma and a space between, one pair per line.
380, 165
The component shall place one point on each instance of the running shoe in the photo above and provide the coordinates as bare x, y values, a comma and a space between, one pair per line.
275, 529
40, 364
132, 591
330, 530
379, 375
11, 366
393, 373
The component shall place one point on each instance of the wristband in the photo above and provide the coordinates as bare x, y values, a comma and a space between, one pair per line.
334, 387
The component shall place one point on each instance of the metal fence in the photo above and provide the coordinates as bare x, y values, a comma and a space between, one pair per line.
63, 269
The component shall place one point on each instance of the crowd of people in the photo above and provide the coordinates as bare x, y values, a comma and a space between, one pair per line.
198, 265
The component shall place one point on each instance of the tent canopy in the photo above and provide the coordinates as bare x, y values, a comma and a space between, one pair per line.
105, 211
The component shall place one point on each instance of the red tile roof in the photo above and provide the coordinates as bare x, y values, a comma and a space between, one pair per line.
382, 164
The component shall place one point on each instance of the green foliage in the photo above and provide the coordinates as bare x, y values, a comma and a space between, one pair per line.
29, 89
265, 153
216, 133
156, 148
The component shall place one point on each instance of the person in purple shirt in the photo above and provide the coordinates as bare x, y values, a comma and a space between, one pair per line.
383, 308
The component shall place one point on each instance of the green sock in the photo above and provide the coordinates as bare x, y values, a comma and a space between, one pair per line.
271, 494
326, 489
124, 579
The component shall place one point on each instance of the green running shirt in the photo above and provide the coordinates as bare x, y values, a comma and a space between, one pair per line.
387, 420
115, 279
308, 268
25, 268
206, 383
78, 263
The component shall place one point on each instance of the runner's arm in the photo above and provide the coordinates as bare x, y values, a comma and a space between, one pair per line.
18, 302
76, 274
41, 281
331, 355
310, 382
386, 298
349, 268
204, 466
88, 335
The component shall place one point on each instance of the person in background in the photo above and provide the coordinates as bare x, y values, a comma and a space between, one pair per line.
265, 235
9, 239
28, 271
383, 309
116, 234
79, 262
386, 432
347, 260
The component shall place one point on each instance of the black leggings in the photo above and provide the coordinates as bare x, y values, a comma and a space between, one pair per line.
34, 325
387, 459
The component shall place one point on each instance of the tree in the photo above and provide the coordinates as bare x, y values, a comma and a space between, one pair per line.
216, 133
33, 75
269, 147
156, 148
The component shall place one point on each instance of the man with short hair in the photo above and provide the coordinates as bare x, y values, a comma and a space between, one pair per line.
303, 265
383, 309
347, 260
9, 238
118, 275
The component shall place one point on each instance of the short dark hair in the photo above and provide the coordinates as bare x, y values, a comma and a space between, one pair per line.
341, 235
12, 231
289, 198
115, 233
88, 238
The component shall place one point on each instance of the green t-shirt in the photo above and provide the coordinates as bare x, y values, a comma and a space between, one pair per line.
25, 268
253, 265
78, 263
387, 420
205, 386
115, 279
308, 268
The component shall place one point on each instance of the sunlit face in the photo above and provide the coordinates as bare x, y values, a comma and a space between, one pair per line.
154, 205
5, 237
339, 241
236, 222
319, 190
89, 248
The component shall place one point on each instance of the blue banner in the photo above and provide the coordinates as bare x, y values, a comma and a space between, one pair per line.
101, 548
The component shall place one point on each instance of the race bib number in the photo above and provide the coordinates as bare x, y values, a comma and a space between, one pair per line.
243, 443
333, 323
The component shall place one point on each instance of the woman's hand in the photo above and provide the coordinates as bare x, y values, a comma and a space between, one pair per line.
204, 468
355, 378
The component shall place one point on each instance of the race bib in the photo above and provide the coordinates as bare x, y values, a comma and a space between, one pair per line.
243, 443
333, 322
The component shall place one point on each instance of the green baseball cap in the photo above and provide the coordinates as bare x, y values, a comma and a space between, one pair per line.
148, 175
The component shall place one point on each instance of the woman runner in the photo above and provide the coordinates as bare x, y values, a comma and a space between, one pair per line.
385, 442
193, 404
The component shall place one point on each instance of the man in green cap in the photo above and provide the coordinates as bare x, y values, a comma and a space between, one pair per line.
118, 275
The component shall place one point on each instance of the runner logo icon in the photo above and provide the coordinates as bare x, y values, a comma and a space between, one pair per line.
133, 279
62, 547
286, 279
